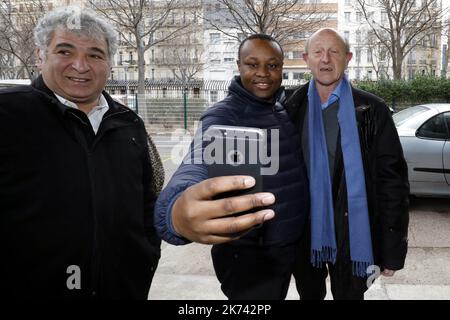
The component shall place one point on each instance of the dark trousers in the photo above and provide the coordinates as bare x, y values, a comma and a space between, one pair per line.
310, 280
254, 272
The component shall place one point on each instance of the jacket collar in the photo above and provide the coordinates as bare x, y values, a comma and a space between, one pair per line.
39, 85
238, 90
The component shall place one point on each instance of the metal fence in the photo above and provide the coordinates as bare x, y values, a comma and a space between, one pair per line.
166, 105
169, 105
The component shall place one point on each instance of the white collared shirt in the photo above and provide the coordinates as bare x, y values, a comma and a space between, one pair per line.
95, 116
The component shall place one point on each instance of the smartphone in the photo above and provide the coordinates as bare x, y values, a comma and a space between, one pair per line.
235, 150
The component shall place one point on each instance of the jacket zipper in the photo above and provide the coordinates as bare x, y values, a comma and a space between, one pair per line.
96, 260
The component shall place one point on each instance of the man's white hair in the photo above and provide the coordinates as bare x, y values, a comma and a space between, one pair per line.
83, 22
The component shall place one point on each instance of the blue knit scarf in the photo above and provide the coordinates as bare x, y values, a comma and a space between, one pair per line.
323, 240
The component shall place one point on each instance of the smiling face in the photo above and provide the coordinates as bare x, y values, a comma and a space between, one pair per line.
327, 58
260, 67
75, 67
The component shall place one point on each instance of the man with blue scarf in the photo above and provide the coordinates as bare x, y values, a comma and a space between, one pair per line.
358, 178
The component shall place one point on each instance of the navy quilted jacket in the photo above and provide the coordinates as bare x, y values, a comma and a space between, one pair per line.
289, 185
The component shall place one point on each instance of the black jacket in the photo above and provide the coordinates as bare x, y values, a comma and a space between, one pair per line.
386, 175
69, 197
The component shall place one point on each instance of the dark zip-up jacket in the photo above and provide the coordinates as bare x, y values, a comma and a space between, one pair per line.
386, 175
289, 185
73, 205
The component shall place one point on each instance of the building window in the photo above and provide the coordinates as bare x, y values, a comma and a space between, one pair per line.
214, 38
296, 54
347, 16
347, 35
358, 56
411, 58
285, 76
358, 16
296, 75
433, 41
369, 55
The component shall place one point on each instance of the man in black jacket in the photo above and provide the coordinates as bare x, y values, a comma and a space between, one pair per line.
358, 178
76, 193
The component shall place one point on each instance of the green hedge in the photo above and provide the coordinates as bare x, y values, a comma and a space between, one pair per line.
399, 93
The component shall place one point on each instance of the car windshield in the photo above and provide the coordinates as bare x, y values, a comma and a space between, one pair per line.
401, 116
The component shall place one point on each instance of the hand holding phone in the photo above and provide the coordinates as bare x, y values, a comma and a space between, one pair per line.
198, 218
235, 151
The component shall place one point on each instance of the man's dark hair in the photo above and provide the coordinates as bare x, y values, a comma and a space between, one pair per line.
260, 36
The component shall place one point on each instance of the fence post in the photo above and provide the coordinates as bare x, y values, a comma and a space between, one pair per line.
185, 107
136, 104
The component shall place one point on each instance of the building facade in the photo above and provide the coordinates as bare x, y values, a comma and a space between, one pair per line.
186, 45
371, 60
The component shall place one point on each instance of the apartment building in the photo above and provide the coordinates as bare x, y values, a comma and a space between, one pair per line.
188, 45
319, 14
371, 60
223, 43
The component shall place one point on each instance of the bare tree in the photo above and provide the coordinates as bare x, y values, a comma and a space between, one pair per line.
7, 69
446, 34
379, 59
17, 22
185, 57
285, 20
143, 24
403, 25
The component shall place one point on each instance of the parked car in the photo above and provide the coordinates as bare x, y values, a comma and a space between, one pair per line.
424, 132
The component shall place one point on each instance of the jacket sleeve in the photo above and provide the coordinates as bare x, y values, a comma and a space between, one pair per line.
192, 170
392, 192
150, 195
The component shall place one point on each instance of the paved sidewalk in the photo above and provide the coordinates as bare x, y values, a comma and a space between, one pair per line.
186, 272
